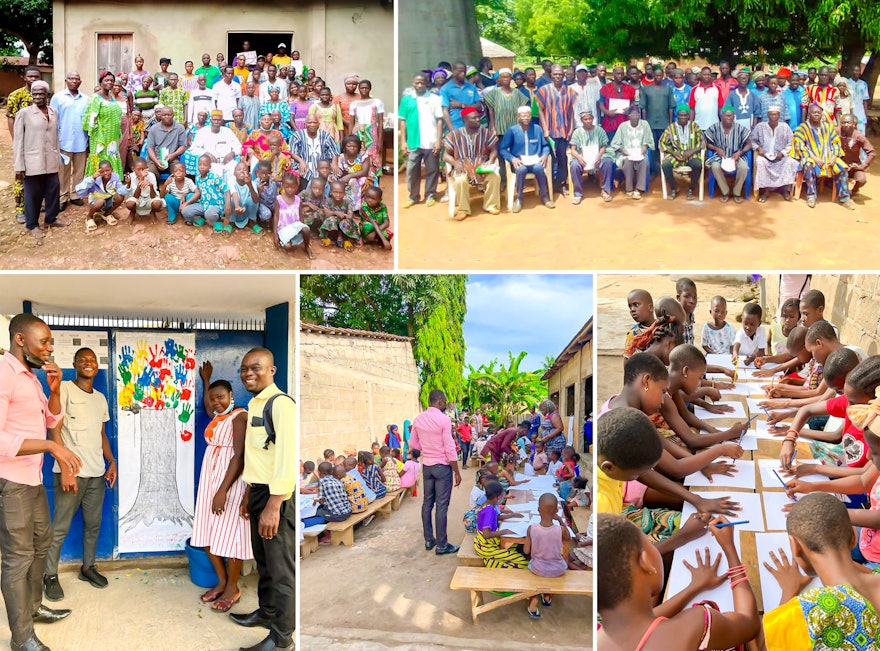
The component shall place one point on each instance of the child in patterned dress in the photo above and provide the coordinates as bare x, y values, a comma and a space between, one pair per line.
374, 218
289, 229
389, 469
314, 207
340, 226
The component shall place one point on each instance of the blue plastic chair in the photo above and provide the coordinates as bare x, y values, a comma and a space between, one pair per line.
163, 176
748, 184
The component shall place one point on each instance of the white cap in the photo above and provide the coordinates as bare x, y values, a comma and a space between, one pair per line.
284, 45
581, 67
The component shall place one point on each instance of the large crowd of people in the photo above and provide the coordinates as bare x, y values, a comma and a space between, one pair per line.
787, 128
234, 146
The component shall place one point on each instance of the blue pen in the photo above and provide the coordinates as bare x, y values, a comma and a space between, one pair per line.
784, 485
730, 524
767, 412
793, 456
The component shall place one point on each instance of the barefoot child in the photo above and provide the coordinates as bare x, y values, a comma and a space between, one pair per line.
544, 543
340, 225
314, 206
375, 222
268, 191
105, 192
287, 224
718, 334
209, 199
177, 189
143, 196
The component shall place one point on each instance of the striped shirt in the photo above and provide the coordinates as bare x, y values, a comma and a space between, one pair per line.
767, 100
558, 107
729, 141
677, 139
467, 148
822, 141
504, 104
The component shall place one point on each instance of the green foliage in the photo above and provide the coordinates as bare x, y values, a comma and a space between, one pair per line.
504, 391
496, 20
429, 308
29, 21
556, 27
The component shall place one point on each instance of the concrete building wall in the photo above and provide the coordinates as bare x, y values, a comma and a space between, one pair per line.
335, 38
575, 372
351, 388
852, 303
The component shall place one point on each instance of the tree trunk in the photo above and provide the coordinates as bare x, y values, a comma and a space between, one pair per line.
870, 74
439, 30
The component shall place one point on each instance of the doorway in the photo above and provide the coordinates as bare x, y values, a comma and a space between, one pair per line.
114, 53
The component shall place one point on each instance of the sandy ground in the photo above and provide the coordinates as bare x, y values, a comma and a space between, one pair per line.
614, 320
650, 234
387, 592
154, 606
150, 246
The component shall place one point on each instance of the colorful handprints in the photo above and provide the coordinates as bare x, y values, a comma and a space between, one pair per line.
157, 375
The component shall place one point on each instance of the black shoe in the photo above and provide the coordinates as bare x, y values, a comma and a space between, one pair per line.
62, 207
31, 644
52, 588
94, 577
449, 549
267, 645
45, 615
430, 545
76, 202
255, 618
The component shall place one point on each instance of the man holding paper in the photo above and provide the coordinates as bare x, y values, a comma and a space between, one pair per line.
588, 144
525, 148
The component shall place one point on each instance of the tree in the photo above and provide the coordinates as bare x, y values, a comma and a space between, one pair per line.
505, 390
29, 21
496, 20
428, 308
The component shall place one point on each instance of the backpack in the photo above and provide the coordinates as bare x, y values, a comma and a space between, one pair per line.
267, 418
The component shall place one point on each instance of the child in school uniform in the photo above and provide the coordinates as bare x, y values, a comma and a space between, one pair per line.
487, 542
718, 334
544, 544
641, 309
751, 338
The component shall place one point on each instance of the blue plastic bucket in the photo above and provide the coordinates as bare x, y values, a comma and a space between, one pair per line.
201, 572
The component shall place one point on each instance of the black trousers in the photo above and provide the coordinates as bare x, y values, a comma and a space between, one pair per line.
275, 564
437, 493
39, 187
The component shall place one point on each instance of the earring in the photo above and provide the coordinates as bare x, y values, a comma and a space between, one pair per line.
653, 571
646, 389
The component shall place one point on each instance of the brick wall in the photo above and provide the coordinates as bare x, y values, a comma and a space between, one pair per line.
351, 388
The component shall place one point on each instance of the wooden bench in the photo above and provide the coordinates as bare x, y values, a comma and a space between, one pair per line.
310, 539
467, 555
343, 532
523, 583
580, 518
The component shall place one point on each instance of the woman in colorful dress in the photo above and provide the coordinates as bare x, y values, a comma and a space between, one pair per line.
299, 107
257, 144
345, 99
136, 76
103, 121
356, 169
217, 525
329, 114
552, 430
121, 95
368, 119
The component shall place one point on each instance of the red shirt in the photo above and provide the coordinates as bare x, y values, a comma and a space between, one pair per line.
855, 450
607, 92
464, 432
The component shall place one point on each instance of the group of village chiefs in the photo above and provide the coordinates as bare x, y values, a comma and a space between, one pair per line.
783, 130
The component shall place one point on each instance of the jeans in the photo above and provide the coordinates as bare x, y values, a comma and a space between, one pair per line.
37, 188
276, 588
465, 452
90, 496
414, 172
538, 170
438, 491
606, 169
172, 203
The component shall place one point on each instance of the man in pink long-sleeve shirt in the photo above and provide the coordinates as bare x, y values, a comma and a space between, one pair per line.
25, 530
431, 434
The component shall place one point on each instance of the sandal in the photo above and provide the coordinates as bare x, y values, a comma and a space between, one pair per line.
111, 220
534, 615
546, 602
224, 605
325, 241
91, 226
227, 230
218, 227
211, 595
258, 229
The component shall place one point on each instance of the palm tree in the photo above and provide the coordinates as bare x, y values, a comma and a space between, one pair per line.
506, 389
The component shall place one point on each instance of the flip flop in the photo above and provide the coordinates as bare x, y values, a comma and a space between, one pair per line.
546, 602
210, 596
224, 605
111, 220
91, 226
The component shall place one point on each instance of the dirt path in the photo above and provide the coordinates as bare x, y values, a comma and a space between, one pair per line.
158, 246
650, 234
387, 592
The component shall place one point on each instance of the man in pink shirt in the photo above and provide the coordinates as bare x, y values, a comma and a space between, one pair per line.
431, 434
25, 530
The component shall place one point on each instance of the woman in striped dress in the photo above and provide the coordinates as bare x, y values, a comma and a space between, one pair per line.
218, 525
487, 542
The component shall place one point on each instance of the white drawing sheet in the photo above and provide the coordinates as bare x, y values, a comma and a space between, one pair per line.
770, 589
739, 411
774, 515
750, 509
680, 576
744, 478
770, 481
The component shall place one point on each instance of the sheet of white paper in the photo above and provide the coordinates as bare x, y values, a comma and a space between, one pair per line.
769, 480
616, 104
810, 477
739, 411
754, 408
763, 431
750, 503
739, 389
749, 441
773, 514
519, 527
770, 590
719, 359
743, 478
680, 576
522, 508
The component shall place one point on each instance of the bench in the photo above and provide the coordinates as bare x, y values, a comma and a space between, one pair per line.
310, 539
580, 518
467, 555
343, 532
523, 583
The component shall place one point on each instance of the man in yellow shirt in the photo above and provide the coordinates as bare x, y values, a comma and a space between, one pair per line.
281, 58
269, 470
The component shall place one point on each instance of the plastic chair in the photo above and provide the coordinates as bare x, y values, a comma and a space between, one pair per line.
820, 185
511, 180
702, 173
586, 173
450, 190
747, 186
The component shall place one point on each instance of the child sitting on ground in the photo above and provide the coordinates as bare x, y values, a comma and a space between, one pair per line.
105, 193
630, 577
242, 199
751, 338
353, 489
340, 226
375, 222
370, 472
314, 206
641, 309
389, 469
267, 189
143, 193
287, 224
718, 334
487, 542
820, 534
544, 543
177, 189
334, 505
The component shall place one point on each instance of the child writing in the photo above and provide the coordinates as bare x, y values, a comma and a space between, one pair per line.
641, 309
487, 542
751, 338
289, 230
718, 334
630, 578
544, 543
105, 191
375, 222
508, 470
177, 188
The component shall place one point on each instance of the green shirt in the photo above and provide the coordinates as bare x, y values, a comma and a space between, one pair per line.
212, 74
504, 105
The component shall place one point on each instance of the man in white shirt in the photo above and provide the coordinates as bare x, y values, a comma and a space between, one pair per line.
220, 143
272, 82
421, 139
227, 93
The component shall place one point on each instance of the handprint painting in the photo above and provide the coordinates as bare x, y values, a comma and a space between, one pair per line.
155, 407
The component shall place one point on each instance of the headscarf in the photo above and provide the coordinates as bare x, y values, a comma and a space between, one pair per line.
39, 84
354, 78
440, 71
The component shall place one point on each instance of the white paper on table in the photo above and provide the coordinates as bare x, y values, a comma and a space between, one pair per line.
811, 477
773, 513
749, 441
518, 527
763, 431
750, 503
720, 359
523, 508
680, 576
739, 411
769, 480
616, 104
739, 389
743, 478
770, 589
754, 408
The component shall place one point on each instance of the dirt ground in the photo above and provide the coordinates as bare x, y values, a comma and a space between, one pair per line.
613, 318
148, 246
387, 592
649, 234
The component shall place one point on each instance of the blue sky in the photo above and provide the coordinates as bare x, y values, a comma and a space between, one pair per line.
536, 313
